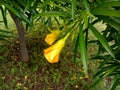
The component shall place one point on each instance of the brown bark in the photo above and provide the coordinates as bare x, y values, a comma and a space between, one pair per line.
21, 33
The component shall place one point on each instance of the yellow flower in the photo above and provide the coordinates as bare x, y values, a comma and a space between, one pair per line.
53, 52
50, 38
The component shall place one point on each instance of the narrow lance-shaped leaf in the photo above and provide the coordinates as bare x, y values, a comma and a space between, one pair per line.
21, 2
28, 4
115, 83
3, 11
57, 20
109, 4
112, 23
102, 40
85, 17
4, 31
13, 10
111, 69
52, 13
15, 5
105, 61
63, 8
116, 19
73, 8
4, 35
76, 47
17, 13
106, 12
85, 2
96, 82
24, 18
44, 5
83, 50
86, 37
35, 4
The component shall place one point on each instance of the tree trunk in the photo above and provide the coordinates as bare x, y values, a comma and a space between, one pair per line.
21, 33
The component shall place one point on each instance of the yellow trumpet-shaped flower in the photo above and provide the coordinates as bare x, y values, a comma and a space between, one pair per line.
53, 52
50, 38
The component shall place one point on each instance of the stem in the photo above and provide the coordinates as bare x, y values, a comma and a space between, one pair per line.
20, 29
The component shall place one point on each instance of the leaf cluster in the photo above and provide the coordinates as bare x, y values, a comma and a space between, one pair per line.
79, 17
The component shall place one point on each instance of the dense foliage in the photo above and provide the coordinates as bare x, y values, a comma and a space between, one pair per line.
76, 17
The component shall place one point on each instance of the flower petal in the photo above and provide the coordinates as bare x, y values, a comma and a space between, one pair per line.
50, 38
52, 53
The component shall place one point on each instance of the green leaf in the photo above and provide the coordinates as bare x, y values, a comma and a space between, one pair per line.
19, 14
21, 2
96, 82
52, 13
36, 2
112, 23
109, 4
116, 19
105, 61
4, 31
15, 5
85, 17
83, 49
76, 47
57, 20
99, 73
24, 18
67, 10
4, 35
115, 83
102, 40
106, 12
86, 5
73, 8
28, 4
109, 70
106, 1
4, 16
13, 10
49, 22
45, 4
